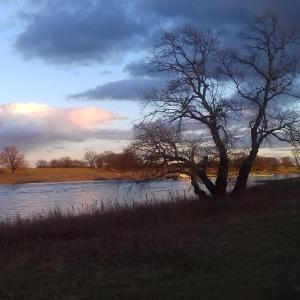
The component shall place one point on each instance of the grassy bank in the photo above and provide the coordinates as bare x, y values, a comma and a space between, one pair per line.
242, 248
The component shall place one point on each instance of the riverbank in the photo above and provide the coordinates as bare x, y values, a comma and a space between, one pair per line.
240, 248
42, 175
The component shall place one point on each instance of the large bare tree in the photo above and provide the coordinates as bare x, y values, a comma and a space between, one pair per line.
196, 98
194, 93
264, 74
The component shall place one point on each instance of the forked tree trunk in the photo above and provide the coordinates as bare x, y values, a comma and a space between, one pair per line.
223, 168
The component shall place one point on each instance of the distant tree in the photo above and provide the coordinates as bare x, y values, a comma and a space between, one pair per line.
12, 158
54, 163
105, 159
99, 161
42, 164
260, 163
265, 163
91, 157
78, 163
130, 160
65, 162
287, 161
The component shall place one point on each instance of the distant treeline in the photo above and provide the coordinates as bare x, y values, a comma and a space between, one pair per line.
128, 160
124, 161
263, 163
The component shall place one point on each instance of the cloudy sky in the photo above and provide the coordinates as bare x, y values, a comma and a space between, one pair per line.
72, 71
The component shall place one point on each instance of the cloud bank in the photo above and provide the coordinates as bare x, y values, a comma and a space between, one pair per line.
35, 124
64, 32
67, 31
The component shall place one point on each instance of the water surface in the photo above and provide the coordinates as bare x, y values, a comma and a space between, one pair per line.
33, 198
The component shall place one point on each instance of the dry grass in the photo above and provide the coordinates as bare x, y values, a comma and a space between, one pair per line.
59, 175
233, 248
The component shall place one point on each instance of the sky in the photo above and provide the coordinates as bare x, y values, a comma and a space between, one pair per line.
72, 71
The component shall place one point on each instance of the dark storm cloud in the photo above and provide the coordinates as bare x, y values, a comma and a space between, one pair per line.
127, 89
68, 31
140, 82
220, 13
139, 68
95, 30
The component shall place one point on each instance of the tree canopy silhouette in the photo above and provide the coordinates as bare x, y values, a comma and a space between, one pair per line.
218, 100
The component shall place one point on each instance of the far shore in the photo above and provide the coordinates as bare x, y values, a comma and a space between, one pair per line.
42, 175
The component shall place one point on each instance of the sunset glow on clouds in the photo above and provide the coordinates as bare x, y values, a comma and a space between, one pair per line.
81, 117
34, 124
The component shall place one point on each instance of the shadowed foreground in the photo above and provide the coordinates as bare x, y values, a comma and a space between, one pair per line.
241, 248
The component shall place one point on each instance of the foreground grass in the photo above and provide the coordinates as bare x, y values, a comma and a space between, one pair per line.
242, 248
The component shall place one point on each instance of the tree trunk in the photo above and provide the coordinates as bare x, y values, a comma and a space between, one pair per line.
222, 176
206, 181
198, 192
241, 181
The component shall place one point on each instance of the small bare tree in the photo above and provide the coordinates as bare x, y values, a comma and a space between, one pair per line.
12, 158
91, 157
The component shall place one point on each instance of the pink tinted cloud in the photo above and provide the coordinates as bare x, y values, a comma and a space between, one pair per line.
36, 124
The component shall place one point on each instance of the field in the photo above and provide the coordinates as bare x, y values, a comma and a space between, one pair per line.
59, 175
232, 248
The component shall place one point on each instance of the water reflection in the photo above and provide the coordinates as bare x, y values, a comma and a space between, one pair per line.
31, 199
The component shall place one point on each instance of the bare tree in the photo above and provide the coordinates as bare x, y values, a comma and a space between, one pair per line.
42, 163
194, 93
12, 158
166, 149
91, 157
264, 73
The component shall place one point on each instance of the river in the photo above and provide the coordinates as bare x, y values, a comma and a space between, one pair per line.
30, 199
